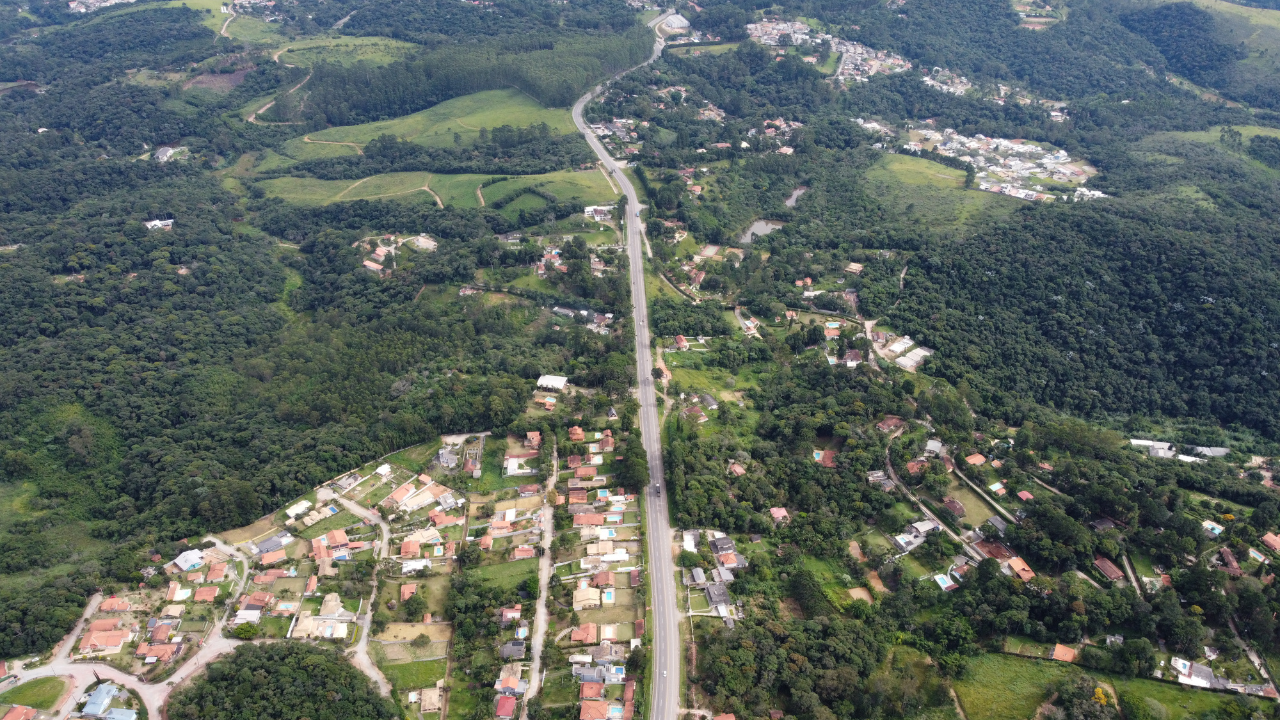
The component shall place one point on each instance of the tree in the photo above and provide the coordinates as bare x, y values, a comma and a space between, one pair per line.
246, 631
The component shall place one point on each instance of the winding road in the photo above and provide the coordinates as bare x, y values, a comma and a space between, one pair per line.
83, 674
665, 690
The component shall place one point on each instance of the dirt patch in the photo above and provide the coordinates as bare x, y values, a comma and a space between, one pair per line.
249, 532
856, 551
861, 593
791, 609
873, 577
437, 632
217, 82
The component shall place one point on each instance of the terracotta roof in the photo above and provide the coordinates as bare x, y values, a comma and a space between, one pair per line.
206, 594
1271, 541
506, 706
591, 690
584, 633
114, 605
1064, 653
408, 590
1020, 568
594, 710
1108, 568
105, 624
976, 459
18, 712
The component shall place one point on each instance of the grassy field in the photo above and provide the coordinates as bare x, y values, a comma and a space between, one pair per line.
464, 115
704, 50
40, 694
976, 509
509, 574
414, 675
459, 190
1004, 687
931, 193
344, 50
333, 522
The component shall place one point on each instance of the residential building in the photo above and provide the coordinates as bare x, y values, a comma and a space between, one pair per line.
1109, 569
513, 650
1020, 569
506, 707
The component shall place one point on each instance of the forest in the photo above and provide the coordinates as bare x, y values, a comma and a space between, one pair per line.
260, 681
519, 151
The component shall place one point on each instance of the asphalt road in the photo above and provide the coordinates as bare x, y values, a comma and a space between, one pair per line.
665, 690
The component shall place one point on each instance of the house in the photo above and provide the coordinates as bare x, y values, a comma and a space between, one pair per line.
189, 560
408, 590
18, 712
737, 470
976, 459
533, 439
410, 549
890, 423
158, 224
104, 642
779, 515
524, 552
1108, 569
1020, 569
723, 544
274, 557
100, 699
573, 461
584, 633
529, 490
336, 539
578, 497
513, 650
717, 594
681, 343
509, 681
1063, 653
594, 710
507, 615
260, 600
999, 524
400, 494
591, 691
506, 707
602, 579
915, 467
1271, 541
157, 652
639, 628
114, 604
589, 519
878, 477
576, 434
1102, 525
429, 698
447, 456
585, 598
732, 560
954, 505
105, 624
1229, 559
206, 594
585, 472
695, 414
1025, 496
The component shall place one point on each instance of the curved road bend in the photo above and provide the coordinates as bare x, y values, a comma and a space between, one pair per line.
665, 690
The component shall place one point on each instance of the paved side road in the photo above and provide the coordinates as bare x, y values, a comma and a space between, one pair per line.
665, 689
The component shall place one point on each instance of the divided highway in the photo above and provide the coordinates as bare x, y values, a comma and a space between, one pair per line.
665, 690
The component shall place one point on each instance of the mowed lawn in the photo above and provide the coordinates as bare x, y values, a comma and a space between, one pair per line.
40, 694
508, 574
459, 190
414, 675
1004, 687
464, 115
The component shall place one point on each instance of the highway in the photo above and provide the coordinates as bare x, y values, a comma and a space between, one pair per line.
664, 695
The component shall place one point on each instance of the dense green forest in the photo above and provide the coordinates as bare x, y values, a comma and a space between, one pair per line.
281, 680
